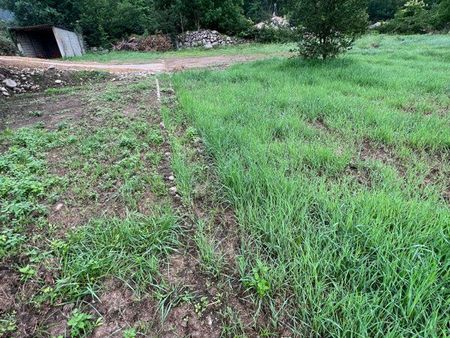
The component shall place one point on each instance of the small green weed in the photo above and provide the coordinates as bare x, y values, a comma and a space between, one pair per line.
10, 242
130, 333
81, 324
27, 272
258, 281
8, 324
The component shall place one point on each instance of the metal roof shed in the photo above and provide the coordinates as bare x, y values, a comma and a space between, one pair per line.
46, 41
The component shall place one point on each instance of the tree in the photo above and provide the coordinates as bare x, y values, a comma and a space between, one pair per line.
261, 10
383, 9
33, 12
414, 17
443, 14
328, 27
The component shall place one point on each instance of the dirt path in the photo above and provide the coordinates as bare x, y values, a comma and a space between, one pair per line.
154, 67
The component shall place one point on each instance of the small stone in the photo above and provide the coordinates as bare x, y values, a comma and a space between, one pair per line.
58, 81
51, 67
10, 83
167, 154
59, 206
171, 178
184, 322
162, 125
173, 190
67, 308
5, 93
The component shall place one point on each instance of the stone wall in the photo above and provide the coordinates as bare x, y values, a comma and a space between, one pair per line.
205, 38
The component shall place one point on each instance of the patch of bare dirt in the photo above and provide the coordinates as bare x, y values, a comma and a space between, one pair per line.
50, 110
439, 174
9, 284
120, 310
373, 151
360, 173
320, 124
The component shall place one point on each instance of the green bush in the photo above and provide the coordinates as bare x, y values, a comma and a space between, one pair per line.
270, 35
328, 27
7, 46
413, 18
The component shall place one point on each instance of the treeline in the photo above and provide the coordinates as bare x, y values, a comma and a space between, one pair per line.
105, 21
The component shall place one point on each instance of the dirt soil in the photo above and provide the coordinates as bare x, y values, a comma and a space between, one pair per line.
153, 67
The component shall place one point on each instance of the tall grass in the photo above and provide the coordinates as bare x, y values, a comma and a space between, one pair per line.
349, 257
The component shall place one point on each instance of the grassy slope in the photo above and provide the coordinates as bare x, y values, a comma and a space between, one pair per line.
337, 172
142, 57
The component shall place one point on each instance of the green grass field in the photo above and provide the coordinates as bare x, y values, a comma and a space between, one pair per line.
339, 173
142, 57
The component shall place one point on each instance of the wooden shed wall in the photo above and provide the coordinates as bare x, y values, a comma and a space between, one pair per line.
69, 43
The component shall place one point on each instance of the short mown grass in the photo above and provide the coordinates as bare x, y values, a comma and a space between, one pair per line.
339, 175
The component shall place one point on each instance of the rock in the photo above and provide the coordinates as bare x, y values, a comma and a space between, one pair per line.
375, 25
206, 38
51, 67
59, 206
10, 83
162, 126
173, 190
171, 178
5, 93
58, 81
276, 22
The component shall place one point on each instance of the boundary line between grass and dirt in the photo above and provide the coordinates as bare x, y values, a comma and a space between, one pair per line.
210, 242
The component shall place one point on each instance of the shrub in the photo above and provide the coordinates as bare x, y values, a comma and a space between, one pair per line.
329, 27
7, 46
413, 18
443, 14
270, 35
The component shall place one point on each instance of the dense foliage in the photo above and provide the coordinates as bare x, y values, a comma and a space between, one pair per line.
329, 27
418, 16
7, 46
106, 21
103, 21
